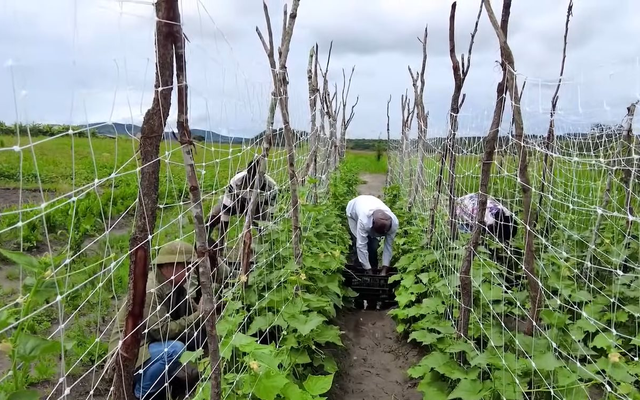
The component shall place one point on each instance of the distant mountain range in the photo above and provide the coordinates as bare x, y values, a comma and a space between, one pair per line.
118, 128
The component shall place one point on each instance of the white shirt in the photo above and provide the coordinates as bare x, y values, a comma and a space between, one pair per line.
239, 187
360, 216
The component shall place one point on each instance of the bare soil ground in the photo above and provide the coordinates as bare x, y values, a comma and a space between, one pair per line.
376, 359
374, 184
11, 197
375, 363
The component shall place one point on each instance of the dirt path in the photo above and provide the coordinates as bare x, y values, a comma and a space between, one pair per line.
374, 184
376, 359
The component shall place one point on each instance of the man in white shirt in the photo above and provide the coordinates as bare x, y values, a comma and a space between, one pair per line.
370, 219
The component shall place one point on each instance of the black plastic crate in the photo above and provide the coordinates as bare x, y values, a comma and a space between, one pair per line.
372, 288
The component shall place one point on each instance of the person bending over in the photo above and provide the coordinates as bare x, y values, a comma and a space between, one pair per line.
500, 224
171, 321
369, 220
499, 221
237, 197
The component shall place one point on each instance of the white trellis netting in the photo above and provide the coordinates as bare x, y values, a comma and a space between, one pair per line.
586, 236
68, 193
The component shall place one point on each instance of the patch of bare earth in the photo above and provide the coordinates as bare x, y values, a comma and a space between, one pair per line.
374, 363
373, 184
14, 197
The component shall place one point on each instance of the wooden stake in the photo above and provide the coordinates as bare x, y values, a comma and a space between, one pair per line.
547, 167
535, 291
466, 289
346, 121
151, 133
202, 250
422, 116
281, 90
388, 180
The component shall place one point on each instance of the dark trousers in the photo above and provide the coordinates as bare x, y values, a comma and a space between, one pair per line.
372, 248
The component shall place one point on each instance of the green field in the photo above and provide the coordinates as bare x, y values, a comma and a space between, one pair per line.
84, 261
587, 352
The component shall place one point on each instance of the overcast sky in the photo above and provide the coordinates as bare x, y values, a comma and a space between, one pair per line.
78, 61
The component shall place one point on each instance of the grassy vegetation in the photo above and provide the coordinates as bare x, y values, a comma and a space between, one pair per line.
586, 344
367, 162
591, 322
48, 252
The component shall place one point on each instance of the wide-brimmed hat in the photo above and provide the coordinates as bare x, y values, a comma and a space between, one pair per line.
175, 252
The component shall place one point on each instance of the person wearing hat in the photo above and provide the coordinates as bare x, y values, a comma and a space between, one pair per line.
370, 219
237, 197
170, 318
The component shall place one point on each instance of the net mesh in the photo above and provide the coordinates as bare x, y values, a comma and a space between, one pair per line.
584, 344
69, 196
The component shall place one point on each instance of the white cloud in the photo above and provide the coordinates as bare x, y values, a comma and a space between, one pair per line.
82, 61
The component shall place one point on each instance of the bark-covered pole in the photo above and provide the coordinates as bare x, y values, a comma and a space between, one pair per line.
329, 102
628, 157
418, 83
547, 166
346, 121
325, 110
388, 180
267, 140
281, 84
312, 82
535, 291
408, 111
151, 134
490, 143
202, 251
460, 71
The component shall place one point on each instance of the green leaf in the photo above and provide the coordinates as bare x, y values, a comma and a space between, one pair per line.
451, 369
604, 340
546, 361
26, 261
574, 393
433, 388
327, 361
424, 337
565, 377
300, 356
244, 342
25, 394
318, 384
305, 323
581, 295
261, 323
505, 383
269, 384
188, 356
620, 373
469, 389
428, 362
404, 298
291, 391
29, 347
268, 356
327, 334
